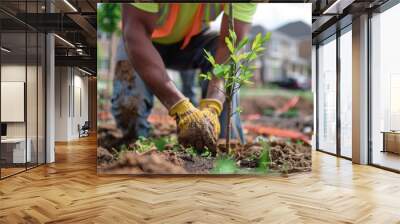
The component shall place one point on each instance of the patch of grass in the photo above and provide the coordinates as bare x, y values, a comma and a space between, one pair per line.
285, 168
225, 165
299, 142
207, 153
143, 145
291, 113
268, 112
191, 151
265, 158
160, 143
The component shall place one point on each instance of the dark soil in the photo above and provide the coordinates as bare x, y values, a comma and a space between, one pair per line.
108, 136
286, 157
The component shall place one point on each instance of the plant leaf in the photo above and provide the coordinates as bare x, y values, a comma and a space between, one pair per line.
267, 36
233, 36
205, 76
242, 43
210, 58
260, 49
256, 41
235, 58
219, 70
229, 45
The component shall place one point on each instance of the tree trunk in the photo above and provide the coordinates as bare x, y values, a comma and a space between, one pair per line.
228, 100
228, 124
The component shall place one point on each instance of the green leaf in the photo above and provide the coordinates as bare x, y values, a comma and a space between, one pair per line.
247, 82
253, 67
256, 41
242, 43
226, 68
210, 58
108, 17
233, 36
267, 36
205, 76
243, 56
219, 70
246, 75
252, 56
160, 143
239, 110
235, 58
229, 45
260, 49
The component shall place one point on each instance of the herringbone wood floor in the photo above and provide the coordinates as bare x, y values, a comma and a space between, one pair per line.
69, 191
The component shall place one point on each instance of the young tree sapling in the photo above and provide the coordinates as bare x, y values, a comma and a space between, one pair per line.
236, 70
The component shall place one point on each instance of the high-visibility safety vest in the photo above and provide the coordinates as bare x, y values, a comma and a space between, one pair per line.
198, 17
168, 14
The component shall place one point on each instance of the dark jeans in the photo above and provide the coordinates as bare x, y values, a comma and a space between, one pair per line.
189, 58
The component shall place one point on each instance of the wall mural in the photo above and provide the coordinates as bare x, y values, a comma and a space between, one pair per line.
204, 88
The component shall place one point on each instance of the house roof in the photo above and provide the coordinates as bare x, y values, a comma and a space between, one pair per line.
297, 30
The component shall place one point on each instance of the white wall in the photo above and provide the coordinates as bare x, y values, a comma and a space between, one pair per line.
33, 126
61, 103
71, 94
12, 73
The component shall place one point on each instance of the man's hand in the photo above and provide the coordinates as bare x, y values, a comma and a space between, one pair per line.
212, 109
196, 128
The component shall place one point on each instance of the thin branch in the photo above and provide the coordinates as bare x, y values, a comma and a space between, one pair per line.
236, 112
219, 89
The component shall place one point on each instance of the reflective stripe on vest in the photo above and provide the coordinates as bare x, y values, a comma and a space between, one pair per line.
168, 14
169, 22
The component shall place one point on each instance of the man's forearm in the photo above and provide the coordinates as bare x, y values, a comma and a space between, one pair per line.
148, 63
215, 85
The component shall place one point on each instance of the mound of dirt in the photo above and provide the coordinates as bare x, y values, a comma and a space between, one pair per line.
104, 156
109, 136
150, 162
290, 157
196, 164
285, 157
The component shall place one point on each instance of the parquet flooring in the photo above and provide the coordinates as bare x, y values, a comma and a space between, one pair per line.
69, 191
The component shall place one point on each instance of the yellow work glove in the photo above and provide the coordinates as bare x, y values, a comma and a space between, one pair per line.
212, 108
195, 128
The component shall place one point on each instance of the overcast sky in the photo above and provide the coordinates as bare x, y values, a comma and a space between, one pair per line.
273, 15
